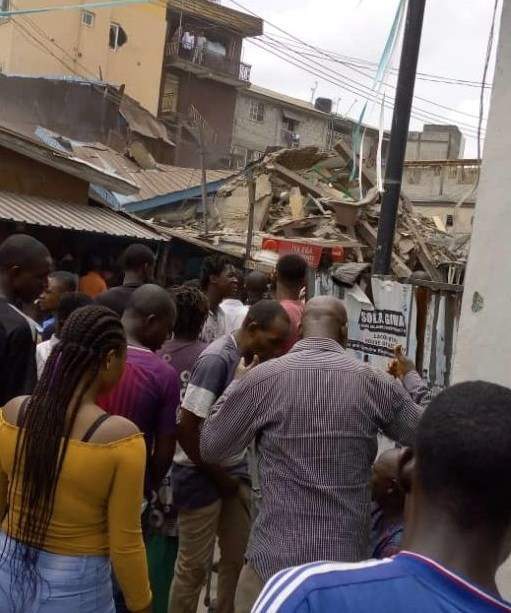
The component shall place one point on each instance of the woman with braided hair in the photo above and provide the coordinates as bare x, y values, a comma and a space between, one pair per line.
71, 482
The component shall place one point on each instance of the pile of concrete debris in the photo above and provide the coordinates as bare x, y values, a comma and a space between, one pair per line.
308, 195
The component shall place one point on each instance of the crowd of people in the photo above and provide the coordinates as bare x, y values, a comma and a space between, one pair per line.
150, 437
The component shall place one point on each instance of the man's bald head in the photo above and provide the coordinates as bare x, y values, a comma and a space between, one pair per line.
325, 317
256, 284
385, 488
150, 316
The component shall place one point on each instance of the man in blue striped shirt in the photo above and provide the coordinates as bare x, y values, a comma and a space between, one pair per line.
458, 528
314, 414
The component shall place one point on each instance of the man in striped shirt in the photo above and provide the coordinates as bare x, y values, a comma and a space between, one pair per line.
458, 525
315, 414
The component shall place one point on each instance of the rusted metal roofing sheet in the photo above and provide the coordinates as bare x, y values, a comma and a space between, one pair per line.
41, 149
246, 24
99, 219
168, 179
160, 181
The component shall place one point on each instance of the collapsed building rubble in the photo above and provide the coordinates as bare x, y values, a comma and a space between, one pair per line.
305, 195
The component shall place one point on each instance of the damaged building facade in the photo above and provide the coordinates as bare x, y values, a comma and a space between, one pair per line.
265, 118
188, 70
435, 142
445, 190
304, 202
202, 74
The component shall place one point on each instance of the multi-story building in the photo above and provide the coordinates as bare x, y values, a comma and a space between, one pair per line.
436, 142
264, 118
119, 45
180, 59
445, 189
202, 75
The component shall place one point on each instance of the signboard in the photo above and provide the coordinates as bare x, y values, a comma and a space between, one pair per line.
309, 251
374, 329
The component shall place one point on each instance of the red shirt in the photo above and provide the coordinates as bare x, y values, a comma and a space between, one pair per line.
294, 308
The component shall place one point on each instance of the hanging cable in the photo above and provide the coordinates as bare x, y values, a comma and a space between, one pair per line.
489, 48
426, 100
360, 90
238, 4
348, 60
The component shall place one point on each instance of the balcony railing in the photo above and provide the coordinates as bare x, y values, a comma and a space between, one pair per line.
208, 59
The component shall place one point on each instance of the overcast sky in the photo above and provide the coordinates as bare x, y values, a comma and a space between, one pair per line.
454, 41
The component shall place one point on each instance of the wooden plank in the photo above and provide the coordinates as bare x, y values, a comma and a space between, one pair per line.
345, 212
296, 179
358, 251
251, 211
438, 286
261, 212
296, 203
368, 178
423, 254
368, 233
318, 204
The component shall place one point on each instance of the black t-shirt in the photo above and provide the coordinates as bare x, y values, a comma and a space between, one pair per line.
18, 371
117, 298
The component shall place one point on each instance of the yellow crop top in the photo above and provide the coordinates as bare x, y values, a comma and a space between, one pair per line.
97, 506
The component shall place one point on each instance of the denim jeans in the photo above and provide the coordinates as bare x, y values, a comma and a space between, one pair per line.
67, 584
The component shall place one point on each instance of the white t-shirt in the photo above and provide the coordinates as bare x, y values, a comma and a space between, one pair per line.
228, 318
214, 371
42, 353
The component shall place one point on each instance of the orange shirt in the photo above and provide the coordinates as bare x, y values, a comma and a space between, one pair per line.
92, 284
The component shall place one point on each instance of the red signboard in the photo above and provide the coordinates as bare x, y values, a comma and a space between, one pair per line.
311, 253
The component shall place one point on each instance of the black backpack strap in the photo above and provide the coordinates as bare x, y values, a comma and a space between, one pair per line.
94, 426
22, 413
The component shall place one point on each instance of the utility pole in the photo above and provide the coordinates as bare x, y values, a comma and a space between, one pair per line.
204, 180
399, 136
251, 212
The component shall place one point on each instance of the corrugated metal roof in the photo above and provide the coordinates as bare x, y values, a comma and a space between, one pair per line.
152, 183
216, 13
168, 179
100, 219
40, 148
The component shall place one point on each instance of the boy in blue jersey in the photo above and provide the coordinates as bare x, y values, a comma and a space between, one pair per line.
458, 522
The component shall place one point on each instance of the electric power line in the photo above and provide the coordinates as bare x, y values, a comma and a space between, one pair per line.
366, 93
489, 48
341, 80
469, 127
426, 100
421, 114
349, 60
